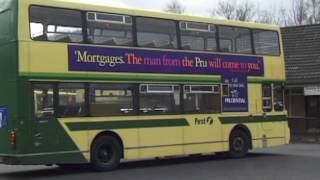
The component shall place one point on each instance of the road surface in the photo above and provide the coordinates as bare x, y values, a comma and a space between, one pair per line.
292, 162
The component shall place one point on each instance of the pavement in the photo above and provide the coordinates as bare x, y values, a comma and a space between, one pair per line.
291, 162
306, 139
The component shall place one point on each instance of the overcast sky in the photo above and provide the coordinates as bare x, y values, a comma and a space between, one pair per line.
200, 7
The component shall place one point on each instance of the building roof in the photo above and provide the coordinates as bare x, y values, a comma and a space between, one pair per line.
302, 54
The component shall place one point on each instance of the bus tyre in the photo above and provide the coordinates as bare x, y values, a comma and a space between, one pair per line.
239, 144
105, 153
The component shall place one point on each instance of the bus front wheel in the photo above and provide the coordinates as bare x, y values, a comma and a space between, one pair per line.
105, 153
239, 144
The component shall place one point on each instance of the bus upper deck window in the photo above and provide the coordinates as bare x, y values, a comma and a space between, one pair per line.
110, 29
266, 42
157, 33
198, 36
55, 24
235, 40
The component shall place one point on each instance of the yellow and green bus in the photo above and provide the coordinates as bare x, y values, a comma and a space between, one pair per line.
86, 83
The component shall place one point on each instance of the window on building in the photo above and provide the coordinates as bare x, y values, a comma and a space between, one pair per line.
267, 97
55, 24
111, 99
109, 29
43, 100
198, 36
71, 100
313, 106
156, 33
278, 97
235, 40
202, 99
159, 99
266, 42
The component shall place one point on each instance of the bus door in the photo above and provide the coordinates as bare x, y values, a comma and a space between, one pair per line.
45, 124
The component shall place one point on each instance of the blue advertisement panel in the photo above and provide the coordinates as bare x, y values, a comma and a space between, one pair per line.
3, 117
237, 100
234, 69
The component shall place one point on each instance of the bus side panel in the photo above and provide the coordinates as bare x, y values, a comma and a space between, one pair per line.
24, 124
8, 97
160, 142
255, 99
275, 133
272, 70
203, 135
8, 70
62, 147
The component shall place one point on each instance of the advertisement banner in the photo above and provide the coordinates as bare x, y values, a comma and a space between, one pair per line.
237, 100
234, 69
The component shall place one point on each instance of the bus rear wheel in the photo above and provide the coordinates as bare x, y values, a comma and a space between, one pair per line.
239, 144
105, 153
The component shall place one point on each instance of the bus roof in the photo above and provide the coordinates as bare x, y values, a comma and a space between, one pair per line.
88, 5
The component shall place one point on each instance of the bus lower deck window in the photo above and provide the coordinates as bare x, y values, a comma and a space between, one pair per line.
202, 99
159, 99
71, 100
267, 97
43, 100
111, 99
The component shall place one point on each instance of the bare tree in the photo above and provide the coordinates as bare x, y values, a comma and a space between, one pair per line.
175, 6
305, 12
225, 9
299, 12
283, 17
266, 17
314, 12
234, 10
245, 11
273, 15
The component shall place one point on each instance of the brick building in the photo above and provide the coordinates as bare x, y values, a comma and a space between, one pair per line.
302, 55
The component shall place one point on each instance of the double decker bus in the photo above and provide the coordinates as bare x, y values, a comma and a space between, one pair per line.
86, 83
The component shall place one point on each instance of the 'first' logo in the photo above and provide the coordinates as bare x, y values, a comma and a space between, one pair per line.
204, 121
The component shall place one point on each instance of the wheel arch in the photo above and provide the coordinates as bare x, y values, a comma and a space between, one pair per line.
245, 129
112, 134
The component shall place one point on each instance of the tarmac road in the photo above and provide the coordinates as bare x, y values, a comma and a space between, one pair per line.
292, 162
